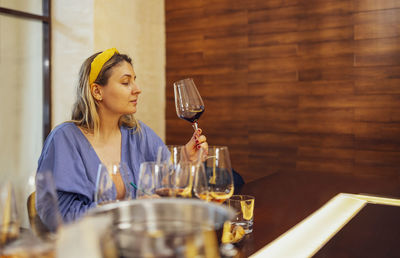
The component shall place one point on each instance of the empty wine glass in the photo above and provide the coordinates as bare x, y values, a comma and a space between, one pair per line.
188, 103
219, 174
9, 222
47, 205
200, 184
112, 183
154, 179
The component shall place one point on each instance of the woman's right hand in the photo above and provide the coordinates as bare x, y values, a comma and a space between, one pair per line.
197, 142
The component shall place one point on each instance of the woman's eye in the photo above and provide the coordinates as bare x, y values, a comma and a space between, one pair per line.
125, 83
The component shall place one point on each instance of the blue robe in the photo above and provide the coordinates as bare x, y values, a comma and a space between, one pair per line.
73, 162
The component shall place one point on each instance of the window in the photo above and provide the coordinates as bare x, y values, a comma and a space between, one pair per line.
25, 114
25, 46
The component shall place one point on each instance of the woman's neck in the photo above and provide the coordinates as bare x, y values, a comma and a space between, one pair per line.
109, 126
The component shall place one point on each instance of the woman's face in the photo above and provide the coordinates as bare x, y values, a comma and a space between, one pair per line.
120, 94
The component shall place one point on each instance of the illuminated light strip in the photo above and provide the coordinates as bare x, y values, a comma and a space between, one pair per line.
377, 200
308, 236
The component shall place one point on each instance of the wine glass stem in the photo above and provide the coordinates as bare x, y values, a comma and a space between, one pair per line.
195, 126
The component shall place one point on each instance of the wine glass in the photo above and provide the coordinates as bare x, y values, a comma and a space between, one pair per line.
154, 179
182, 178
200, 185
112, 183
178, 153
45, 204
9, 221
219, 174
188, 103
189, 178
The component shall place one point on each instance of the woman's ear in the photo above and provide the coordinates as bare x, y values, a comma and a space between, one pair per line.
96, 91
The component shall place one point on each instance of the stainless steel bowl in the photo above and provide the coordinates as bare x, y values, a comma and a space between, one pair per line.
165, 227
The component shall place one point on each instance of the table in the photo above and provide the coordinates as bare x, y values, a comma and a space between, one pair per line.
284, 199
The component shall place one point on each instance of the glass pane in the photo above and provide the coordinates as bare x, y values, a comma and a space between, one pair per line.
28, 6
20, 101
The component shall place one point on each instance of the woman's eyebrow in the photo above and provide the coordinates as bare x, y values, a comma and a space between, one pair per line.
127, 74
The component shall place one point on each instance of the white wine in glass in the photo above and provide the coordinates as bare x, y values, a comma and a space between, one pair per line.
188, 103
219, 174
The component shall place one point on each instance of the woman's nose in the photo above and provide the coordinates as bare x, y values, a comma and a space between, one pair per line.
135, 88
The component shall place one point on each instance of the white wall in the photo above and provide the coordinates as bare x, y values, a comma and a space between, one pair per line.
72, 43
138, 31
137, 28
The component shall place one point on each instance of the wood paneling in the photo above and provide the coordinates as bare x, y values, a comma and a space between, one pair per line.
299, 85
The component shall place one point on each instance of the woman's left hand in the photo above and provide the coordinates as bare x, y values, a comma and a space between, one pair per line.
197, 142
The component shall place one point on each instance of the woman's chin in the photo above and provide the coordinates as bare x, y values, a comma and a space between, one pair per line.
131, 112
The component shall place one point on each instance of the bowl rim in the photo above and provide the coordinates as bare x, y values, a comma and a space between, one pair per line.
230, 212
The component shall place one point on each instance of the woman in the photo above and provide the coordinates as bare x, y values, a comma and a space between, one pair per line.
103, 130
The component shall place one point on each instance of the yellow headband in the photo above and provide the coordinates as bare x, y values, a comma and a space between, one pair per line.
98, 63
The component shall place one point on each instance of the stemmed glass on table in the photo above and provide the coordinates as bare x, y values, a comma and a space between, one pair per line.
188, 103
219, 174
188, 179
154, 179
112, 183
9, 221
200, 184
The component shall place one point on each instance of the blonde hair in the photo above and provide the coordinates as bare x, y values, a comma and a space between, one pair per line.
85, 110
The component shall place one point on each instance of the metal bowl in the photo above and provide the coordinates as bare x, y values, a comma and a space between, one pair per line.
165, 227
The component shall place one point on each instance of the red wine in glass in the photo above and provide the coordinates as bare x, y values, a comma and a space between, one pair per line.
188, 103
192, 115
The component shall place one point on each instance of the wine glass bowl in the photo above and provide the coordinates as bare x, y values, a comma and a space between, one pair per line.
200, 184
188, 179
45, 214
154, 180
182, 179
177, 154
9, 220
188, 102
112, 183
219, 174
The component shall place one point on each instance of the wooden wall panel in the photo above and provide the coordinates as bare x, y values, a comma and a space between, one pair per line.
305, 85
371, 5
